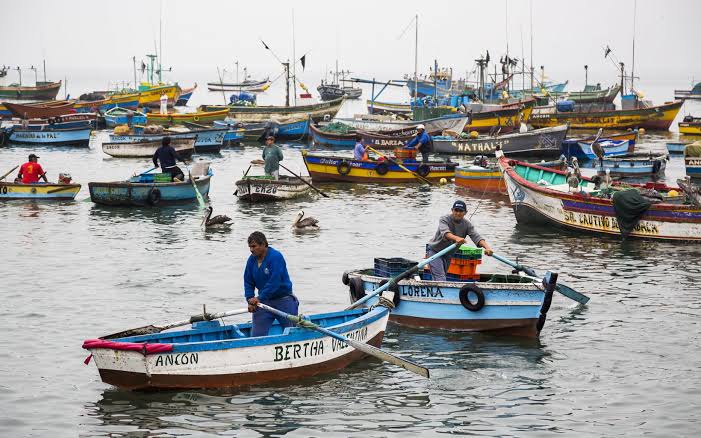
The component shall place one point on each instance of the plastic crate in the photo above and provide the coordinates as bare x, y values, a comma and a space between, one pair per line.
405, 153
390, 267
162, 177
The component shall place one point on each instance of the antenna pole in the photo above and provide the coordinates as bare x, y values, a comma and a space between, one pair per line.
532, 84
45, 70
294, 57
632, 66
416, 59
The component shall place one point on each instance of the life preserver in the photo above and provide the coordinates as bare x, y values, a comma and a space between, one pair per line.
394, 288
343, 168
512, 163
382, 168
423, 170
196, 118
465, 297
356, 288
154, 196
345, 279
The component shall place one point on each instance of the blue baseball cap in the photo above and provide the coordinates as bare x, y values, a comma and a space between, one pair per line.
459, 205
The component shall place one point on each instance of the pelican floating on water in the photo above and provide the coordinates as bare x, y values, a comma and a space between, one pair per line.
219, 221
308, 223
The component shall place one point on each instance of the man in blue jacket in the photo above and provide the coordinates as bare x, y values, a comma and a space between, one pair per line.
422, 142
266, 271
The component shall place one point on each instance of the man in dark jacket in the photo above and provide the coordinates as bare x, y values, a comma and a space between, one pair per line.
167, 157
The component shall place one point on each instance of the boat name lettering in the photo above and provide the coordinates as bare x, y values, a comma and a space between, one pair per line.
265, 189
607, 223
298, 351
422, 291
691, 162
37, 135
479, 147
357, 335
328, 161
385, 142
177, 359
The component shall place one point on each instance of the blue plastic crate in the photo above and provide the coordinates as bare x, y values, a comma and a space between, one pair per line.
390, 267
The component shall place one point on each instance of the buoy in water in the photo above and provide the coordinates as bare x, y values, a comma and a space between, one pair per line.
443, 181
641, 131
673, 193
474, 134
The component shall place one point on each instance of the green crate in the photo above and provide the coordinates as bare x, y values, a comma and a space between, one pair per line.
162, 177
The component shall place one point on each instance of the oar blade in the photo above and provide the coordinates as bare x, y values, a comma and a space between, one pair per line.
145, 330
571, 293
383, 355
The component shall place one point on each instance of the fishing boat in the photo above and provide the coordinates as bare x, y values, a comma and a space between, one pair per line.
265, 188
331, 91
247, 85
296, 127
481, 177
387, 139
690, 125
542, 196
501, 304
51, 191
652, 118
143, 190
40, 110
51, 136
692, 159
694, 93
41, 91
454, 123
213, 355
377, 107
594, 93
66, 121
206, 140
105, 103
260, 113
179, 118
185, 96
482, 117
235, 131
676, 147
330, 137
543, 142
122, 116
631, 165
330, 168
583, 149
185, 147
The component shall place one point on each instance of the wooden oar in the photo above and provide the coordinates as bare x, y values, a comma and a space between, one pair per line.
409, 272
244, 176
305, 182
365, 348
150, 329
530, 273
9, 172
148, 171
400, 166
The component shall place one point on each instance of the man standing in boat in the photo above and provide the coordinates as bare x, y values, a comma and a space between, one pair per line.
360, 151
422, 142
266, 271
31, 171
272, 154
167, 156
453, 228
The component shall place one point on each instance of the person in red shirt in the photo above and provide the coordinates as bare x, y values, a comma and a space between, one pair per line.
31, 171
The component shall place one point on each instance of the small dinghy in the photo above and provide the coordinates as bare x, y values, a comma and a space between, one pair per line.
265, 188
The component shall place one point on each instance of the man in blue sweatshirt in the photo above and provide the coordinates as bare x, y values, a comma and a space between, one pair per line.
266, 271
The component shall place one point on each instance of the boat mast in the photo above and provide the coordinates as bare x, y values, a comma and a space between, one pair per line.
294, 57
435, 81
19, 70
337, 82
287, 82
416, 59
586, 76
532, 84
136, 86
45, 70
160, 44
632, 67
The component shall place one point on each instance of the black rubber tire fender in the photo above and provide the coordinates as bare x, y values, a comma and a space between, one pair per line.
465, 297
423, 170
154, 196
382, 168
343, 168
394, 288
356, 288
345, 279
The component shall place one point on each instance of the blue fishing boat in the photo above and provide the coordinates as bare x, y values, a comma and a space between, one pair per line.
636, 165
49, 136
676, 147
583, 150
146, 189
294, 128
213, 355
332, 139
122, 116
207, 140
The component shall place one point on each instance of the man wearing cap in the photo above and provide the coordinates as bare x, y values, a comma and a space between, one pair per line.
422, 142
167, 156
272, 154
31, 171
452, 228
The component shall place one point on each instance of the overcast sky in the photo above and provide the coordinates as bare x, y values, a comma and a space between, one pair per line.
96, 39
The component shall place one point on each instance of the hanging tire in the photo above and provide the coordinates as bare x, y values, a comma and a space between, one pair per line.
356, 288
343, 168
154, 196
196, 118
423, 170
394, 288
345, 279
382, 168
465, 297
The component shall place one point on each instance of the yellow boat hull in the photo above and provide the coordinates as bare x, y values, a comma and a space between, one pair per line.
10, 190
203, 117
690, 128
152, 96
654, 118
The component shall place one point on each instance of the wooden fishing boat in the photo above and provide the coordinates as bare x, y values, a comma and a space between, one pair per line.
212, 355
387, 139
142, 190
122, 116
264, 188
185, 96
247, 85
179, 118
542, 196
480, 177
50, 136
454, 123
377, 107
543, 142
150, 95
632, 165
50, 191
484, 117
692, 159
653, 118
258, 113
329, 168
296, 127
583, 150
501, 304
594, 94
676, 147
42, 90
690, 125
40, 110
321, 137
125, 101
66, 121
185, 147
206, 140
334, 91
694, 93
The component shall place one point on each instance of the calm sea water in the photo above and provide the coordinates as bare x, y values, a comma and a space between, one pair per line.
625, 364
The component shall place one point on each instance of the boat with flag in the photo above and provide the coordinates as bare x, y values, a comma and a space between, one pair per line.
544, 196
212, 354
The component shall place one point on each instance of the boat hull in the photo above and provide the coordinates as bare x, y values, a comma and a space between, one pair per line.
39, 110
269, 190
432, 126
693, 166
45, 91
654, 118
693, 128
480, 179
541, 142
621, 167
52, 137
180, 118
137, 194
317, 111
185, 147
207, 140
49, 191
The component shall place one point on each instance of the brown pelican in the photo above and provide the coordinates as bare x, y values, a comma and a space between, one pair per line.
572, 181
308, 223
220, 221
